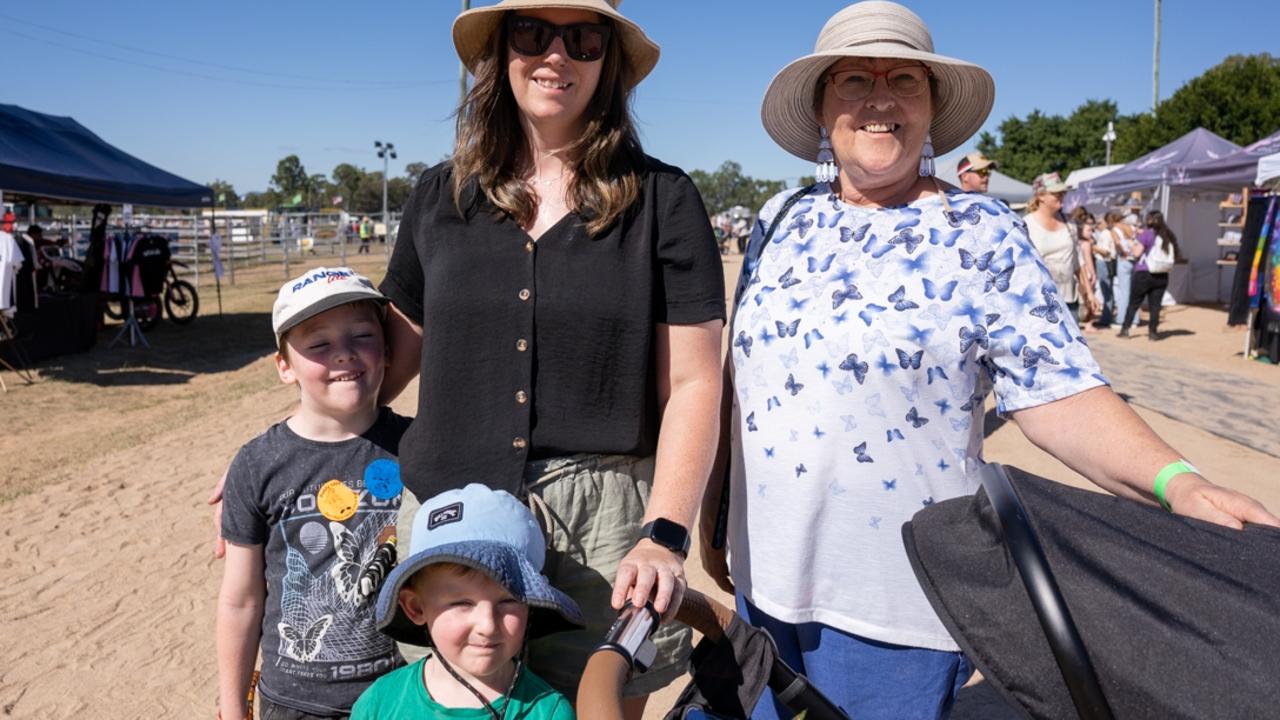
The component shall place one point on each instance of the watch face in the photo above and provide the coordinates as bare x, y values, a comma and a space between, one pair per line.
670, 535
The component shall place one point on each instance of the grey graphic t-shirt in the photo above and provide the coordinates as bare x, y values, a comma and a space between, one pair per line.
321, 510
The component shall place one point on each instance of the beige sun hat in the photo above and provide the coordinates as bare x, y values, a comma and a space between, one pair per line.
876, 29
473, 28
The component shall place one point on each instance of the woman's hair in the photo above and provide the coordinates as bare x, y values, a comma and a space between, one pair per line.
1033, 203
607, 159
1112, 217
1081, 217
1155, 221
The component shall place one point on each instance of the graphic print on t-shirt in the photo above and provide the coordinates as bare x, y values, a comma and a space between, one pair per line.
324, 618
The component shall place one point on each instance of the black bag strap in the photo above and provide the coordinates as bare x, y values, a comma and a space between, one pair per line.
749, 262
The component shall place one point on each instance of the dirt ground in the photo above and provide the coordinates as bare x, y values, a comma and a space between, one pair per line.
108, 458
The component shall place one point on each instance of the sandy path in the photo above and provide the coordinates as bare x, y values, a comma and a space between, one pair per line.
104, 540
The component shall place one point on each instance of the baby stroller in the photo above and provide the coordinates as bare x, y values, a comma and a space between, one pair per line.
1073, 604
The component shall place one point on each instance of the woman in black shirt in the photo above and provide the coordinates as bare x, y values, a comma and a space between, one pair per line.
561, 295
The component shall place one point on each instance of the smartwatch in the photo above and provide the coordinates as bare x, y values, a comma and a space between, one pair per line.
670, 535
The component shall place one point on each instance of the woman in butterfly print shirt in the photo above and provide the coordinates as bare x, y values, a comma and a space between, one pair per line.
867, 332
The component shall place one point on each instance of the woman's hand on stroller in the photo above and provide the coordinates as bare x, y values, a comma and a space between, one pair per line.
650, 572
1193, 496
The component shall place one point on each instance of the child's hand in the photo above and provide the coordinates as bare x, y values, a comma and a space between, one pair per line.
215, 499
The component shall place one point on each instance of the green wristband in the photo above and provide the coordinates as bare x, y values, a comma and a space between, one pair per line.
1167, 473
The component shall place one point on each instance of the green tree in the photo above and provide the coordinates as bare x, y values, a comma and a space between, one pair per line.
414, 170
368, 195
346, 182
224, 195
267, 199
290, 178
1042, 143
728, 186
1238, 99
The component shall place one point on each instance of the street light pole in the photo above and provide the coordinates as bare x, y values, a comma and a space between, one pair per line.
385, 150
1155, 64
1109, 137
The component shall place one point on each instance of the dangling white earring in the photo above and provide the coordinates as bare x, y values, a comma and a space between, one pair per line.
826, 170
926, 157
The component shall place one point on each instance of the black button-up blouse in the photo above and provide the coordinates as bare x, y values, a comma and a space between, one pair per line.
542, 349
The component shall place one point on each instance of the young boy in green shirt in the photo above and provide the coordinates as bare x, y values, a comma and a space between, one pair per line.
473, 591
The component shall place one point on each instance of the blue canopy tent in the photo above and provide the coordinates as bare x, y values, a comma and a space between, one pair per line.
57, 157
1188, 210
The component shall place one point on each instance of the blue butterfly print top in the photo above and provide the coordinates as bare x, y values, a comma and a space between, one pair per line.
864, 343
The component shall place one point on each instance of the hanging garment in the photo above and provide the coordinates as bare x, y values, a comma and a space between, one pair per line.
149, 260
112, 251
10, 264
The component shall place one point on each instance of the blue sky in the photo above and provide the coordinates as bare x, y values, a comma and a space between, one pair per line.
224, 90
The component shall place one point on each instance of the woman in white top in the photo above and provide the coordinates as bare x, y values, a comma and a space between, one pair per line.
1053, 238
1105, 248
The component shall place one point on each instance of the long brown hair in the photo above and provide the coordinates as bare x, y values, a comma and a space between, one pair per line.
1155, 221
607, 159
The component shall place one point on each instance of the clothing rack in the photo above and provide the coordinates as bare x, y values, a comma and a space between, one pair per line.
1267, 242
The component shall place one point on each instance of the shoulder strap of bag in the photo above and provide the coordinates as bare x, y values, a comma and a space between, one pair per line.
748, 266
753, 253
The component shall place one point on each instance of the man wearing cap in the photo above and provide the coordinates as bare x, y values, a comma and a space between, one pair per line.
974, 170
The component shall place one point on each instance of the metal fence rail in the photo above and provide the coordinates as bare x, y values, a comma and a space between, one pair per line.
245, 240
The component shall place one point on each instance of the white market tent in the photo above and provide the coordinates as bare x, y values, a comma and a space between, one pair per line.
1268, 169
1002, 186
1084, 175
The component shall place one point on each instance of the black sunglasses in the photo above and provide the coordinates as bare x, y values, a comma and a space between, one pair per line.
532, 36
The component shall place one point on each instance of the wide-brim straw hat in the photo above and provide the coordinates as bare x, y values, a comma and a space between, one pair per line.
876, 29
473, 29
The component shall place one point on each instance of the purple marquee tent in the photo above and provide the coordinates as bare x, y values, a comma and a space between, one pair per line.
1194, 218
1235, 171
1166, 166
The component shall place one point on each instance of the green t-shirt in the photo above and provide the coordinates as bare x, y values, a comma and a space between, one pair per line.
402, 694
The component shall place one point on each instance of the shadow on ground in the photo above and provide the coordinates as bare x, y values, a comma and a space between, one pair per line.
176, 353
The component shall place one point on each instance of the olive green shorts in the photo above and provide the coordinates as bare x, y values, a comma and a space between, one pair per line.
593, 506
596, 505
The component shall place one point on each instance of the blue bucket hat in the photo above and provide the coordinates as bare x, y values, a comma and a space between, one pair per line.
492, 532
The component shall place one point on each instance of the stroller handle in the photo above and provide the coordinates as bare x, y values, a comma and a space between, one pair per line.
600, 689
1046, 598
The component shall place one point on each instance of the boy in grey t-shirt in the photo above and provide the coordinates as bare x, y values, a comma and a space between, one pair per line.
307, 504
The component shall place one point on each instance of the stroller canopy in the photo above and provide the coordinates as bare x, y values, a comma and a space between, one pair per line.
1180, 618
57, 157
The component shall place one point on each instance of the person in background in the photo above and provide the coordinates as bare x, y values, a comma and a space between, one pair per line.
1083, 223
1127, 252
1148, 285
1053, 238
366, 232
974, 170
1104, 263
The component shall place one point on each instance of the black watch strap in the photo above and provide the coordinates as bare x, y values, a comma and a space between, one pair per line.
669, 534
